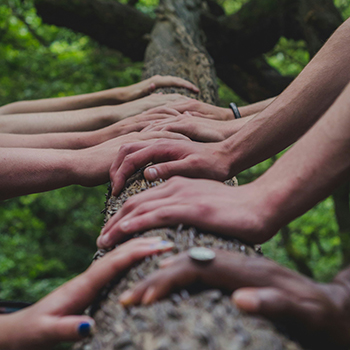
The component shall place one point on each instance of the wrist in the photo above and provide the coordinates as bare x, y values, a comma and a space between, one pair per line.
8, 336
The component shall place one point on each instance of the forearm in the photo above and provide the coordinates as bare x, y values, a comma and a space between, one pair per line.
81, 120
69, 103
298, 107
25, 170
63, 140
255, 108
312, 168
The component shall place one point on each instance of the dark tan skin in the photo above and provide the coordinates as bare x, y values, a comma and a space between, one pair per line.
259, 286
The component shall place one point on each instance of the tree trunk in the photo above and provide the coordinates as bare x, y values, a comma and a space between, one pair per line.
196, 318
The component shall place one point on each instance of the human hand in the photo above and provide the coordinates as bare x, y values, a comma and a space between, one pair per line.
241, 212
197, 109
144, 104
175, 157
147, 86
57, 317
260, 286
196, 128
126, 126
90, 166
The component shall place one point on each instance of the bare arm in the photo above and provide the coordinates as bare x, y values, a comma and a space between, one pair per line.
79, 140
303, 176
293, 112
80, 120
95, 99
29, 170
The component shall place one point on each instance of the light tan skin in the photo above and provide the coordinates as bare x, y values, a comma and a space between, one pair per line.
56, 317
259, 286
80, 120
197, 127
107, 97
79, 140
205, 110
279, 125
30, 170
303, 176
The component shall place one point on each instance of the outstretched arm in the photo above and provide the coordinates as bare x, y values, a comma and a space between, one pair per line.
95, 99
80, 120
79, 140
280, 124
29, 170
319, 311
303, 176
57, 317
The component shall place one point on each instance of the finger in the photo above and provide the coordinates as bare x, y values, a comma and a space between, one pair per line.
274, 303
119, 175
75, 295
161, 216
131, 159
172, 168
154, 194
162, 110
176, 81
68, 328
161, 283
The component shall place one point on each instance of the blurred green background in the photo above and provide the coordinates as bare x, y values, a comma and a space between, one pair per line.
46, 239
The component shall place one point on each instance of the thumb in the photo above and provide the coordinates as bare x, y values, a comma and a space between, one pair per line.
270, 302
70, 328
167, 170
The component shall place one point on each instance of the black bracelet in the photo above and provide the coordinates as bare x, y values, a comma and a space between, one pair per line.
235, 110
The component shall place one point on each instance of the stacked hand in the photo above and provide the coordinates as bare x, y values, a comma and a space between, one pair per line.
208, 205
147, 86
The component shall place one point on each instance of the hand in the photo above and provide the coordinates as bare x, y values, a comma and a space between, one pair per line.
147, 86
57, 317
197, 128
126, 126
90, 166
144, 104
261, 287
209, 205
197, 109
186, 158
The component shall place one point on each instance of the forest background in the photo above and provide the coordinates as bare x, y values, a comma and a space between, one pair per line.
48, 238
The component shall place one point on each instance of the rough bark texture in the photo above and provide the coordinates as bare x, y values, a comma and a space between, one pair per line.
195, 318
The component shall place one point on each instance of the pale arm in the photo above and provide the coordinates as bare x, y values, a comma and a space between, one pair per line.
101, 98
29, 170
80, 120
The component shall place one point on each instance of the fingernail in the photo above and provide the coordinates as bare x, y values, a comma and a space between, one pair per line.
104, 240
152, 174
126, 297
148, 296
125, 225
86, 329
248, 301
163, 245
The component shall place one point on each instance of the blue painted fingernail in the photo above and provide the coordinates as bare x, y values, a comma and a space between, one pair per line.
84, 329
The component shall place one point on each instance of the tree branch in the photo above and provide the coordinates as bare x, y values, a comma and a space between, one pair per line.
101, 20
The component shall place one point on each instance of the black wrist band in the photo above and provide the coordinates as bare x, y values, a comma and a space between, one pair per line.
235, 110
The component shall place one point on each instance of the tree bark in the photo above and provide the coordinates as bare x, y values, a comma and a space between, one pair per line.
195, 318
